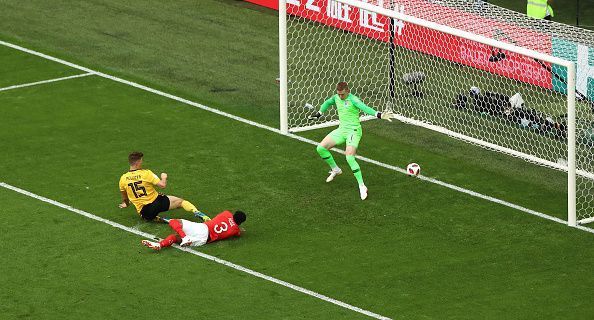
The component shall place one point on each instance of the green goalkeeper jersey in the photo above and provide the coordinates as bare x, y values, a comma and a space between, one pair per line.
348, 110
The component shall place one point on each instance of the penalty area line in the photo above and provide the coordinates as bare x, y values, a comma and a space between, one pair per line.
290, 135
45, 81
198, 253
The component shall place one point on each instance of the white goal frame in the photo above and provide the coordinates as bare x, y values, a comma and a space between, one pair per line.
570, 167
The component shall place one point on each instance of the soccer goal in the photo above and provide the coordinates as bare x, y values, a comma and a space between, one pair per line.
464, 68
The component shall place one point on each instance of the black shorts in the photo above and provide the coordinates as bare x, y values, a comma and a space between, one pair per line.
151, 210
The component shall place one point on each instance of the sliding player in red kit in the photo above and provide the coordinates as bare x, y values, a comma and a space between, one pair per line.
188, 233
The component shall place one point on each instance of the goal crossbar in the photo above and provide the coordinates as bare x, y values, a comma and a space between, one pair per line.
457, 32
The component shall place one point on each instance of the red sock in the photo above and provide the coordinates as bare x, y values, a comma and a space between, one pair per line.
169, 241
177, 226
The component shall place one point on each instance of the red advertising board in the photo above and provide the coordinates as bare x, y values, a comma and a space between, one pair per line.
433, 42
273, 4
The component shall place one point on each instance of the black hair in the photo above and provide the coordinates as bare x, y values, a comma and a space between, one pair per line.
239, 217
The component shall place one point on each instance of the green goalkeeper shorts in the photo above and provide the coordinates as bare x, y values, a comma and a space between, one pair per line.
349, 135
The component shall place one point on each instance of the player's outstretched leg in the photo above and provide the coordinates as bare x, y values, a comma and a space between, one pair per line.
151, 244
177, 226
357, 173
175, 202
326, 155
201, 215
167, 242
188, 206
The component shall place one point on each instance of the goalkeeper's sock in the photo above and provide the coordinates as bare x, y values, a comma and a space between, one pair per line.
327, 156
356, 169
169, 241
177, 226
188, 206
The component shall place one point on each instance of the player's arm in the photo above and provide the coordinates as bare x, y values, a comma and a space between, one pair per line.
125, 200
387, 115
152, 178
327, 104
162, 183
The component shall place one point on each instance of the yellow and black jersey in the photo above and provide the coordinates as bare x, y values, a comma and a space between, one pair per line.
139, 185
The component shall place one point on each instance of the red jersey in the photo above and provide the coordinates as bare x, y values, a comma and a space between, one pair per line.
222, 227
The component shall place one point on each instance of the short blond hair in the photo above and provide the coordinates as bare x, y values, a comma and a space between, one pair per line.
342, 86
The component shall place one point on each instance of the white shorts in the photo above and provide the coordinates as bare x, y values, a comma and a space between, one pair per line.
197, 232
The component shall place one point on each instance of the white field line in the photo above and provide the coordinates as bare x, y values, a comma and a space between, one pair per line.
262, 126
197, 253
45, 81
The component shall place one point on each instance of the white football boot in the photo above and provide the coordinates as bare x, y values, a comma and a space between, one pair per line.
333, 173
363, 191
151, 244
186, 241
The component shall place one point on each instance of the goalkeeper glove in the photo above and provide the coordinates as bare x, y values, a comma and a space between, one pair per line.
387, 115
315, 116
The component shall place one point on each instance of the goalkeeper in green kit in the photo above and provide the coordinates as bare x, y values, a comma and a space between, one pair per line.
349, 130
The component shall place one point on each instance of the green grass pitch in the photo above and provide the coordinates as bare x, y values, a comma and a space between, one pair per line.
413, 250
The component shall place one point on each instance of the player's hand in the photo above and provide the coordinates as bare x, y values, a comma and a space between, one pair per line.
163, 176
123, 205
386, 115
315, 116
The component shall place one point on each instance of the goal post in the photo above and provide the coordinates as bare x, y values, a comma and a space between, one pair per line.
571, 149
282, 58
438, 77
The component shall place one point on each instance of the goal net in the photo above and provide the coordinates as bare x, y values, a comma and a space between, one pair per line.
465, 68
